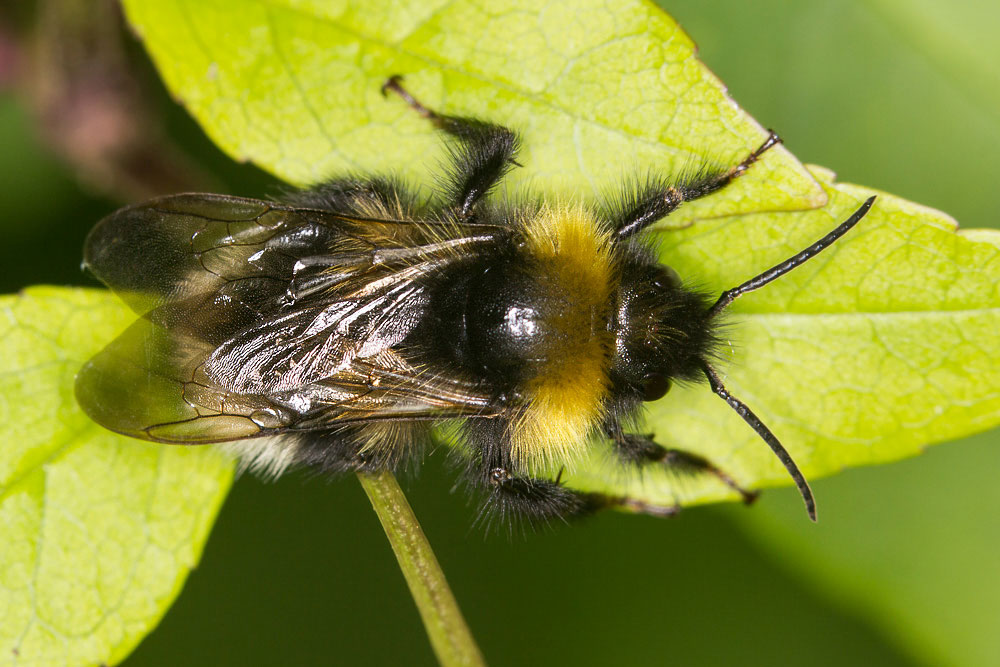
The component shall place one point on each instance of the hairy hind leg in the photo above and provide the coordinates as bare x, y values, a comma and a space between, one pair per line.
660, 197
484, 154
513, 495
643, 451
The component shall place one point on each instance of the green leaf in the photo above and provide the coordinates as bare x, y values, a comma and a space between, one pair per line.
866, 354
99, 531
598, 90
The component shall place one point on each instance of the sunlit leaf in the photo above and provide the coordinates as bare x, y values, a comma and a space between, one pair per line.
599, 90
99, 531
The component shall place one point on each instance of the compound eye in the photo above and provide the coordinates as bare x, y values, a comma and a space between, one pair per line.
666, 278
654, 386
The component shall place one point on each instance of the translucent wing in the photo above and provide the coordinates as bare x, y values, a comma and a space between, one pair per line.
261, 319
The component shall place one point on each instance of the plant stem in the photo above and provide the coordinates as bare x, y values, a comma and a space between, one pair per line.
450, 637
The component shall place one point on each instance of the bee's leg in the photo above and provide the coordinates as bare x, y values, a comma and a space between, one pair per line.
540, 500
642, 451
513, 496
658, 199
485, 152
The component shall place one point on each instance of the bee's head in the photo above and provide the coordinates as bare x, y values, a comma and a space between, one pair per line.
663, 331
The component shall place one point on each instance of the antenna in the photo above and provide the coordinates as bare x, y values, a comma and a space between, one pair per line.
765, 433
757, 282
797, 259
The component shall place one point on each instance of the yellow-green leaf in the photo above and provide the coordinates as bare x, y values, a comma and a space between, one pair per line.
598, 90
99, 531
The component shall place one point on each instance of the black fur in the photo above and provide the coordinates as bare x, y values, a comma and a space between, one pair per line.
536, 501
342, 449
641, 204
640, 450
347, 194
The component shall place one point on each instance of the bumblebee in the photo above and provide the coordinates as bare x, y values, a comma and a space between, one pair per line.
334, 330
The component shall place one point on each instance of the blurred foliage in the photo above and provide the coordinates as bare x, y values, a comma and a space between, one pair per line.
902, 567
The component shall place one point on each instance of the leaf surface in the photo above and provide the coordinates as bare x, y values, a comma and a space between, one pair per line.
99, 530
598, 90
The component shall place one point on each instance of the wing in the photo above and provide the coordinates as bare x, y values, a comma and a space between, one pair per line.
261, 319
172, 248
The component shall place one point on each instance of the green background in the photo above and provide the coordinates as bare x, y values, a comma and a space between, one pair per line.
902, 568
